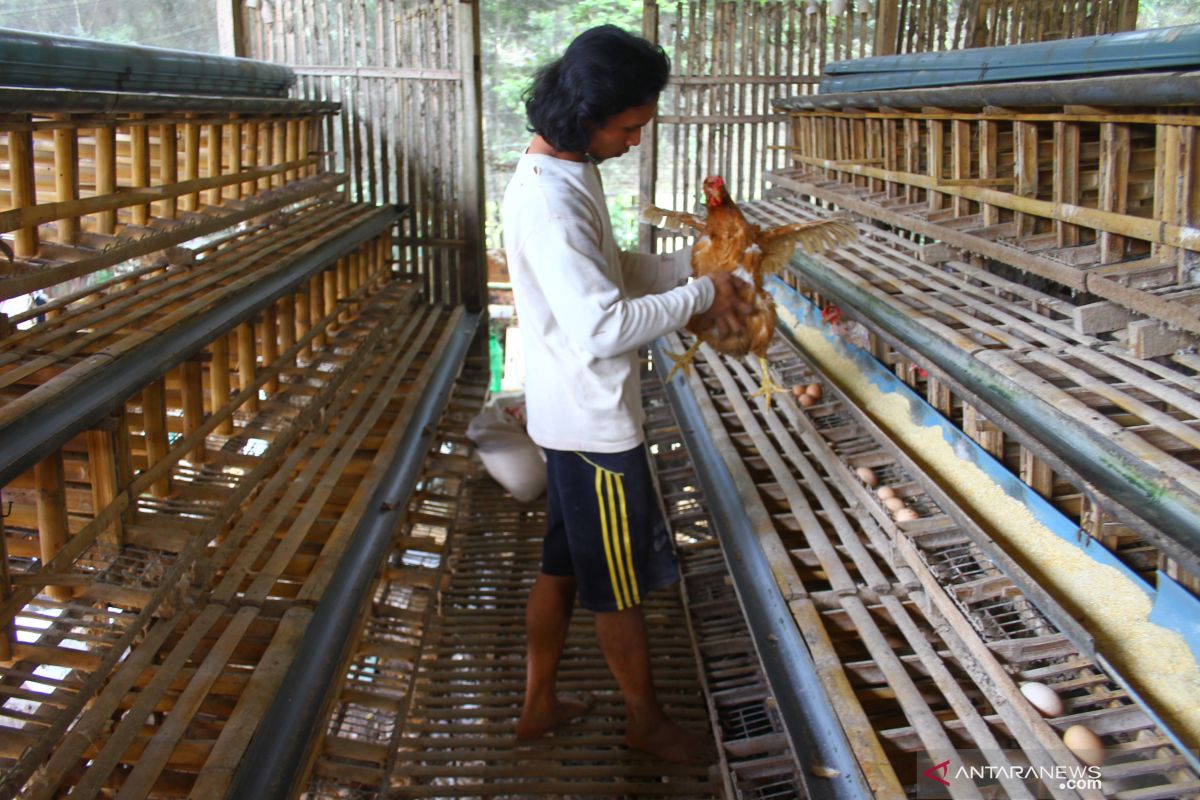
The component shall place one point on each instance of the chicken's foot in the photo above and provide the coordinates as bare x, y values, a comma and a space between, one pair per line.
682, 361
767, 387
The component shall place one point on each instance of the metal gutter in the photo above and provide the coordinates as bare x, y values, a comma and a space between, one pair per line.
1154, 89
26, 100
64, 62
1176, 48
279, 752
807, 712
1156, 504
33, 436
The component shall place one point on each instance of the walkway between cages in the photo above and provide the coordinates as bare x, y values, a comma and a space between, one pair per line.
458, 738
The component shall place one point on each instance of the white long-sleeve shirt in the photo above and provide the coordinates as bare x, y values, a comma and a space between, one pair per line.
585, 307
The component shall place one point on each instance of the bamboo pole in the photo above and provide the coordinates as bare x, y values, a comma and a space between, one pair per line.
140, 159
252, 128
154, 414
52, 516
102, 469
247, 353
168, 170
191, 163
22, 187
235, 157
1128, 225
1066, 178
191, 388
1025, 173
270, 344
6, 630
316, 308
66, 174
218, 376
215, 158
302, 306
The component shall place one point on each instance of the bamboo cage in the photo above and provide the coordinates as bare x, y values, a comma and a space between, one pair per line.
218, 357
732, 61
1096, 200
406, 74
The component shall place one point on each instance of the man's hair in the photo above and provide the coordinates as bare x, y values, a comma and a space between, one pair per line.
602, 73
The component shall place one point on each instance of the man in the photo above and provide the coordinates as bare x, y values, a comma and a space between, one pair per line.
585, 309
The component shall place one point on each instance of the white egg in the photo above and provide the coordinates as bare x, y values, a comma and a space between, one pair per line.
894, 504
1086, 745
1043, 698
866, 475
905, 515
884, 492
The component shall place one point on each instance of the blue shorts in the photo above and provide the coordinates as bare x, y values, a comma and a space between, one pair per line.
604, 527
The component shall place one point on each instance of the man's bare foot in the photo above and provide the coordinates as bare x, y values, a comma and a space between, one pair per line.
672, 742
539, 721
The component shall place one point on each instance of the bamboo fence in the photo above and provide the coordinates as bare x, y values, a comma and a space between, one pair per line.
732, 60
406, 75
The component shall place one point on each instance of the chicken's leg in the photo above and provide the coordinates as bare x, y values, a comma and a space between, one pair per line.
682, 361
768, 387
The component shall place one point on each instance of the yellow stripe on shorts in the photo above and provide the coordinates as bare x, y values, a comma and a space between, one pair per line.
615, 534
628, 545
601, 505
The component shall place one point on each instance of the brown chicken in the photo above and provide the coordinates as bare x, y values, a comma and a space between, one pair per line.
730, 243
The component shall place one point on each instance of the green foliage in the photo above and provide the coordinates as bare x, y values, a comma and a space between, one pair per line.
1167, 13
518, 37
177, 24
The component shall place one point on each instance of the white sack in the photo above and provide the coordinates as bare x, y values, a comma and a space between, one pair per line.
507, 452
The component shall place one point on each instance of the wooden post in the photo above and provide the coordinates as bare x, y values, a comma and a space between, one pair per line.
191, 389
292, 147
1036, 474
977, 426
935, 158
247, 352
123, 461
139, 136
249, 188
66, 177
23, 185
912, 155
303, 313
647, 153
154, 416
287, 322
6, 632
989, 146
279, 150
218, 377
231, 29
106, 174
102, 468
1066, 177
1025, 169
168, 169
52, 515
316, 307
191, 164
960, 150
939, 396
216, 145
235, 157
887, 21
1167, 164
270, 344
344, 264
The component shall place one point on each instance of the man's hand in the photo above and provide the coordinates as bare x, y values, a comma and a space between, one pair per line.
727, 307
